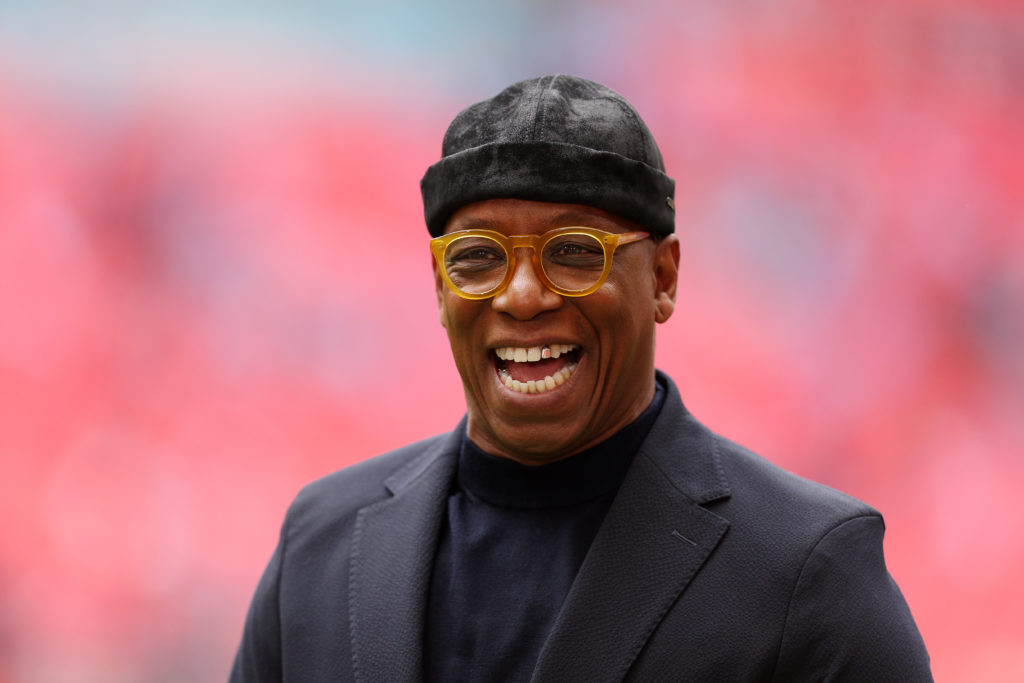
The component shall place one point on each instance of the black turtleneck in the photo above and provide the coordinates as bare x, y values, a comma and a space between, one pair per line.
511, 545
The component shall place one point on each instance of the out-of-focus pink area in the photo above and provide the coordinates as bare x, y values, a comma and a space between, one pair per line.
215, 284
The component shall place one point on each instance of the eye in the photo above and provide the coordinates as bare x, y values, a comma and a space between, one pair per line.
570, 249
578, 251
474, 254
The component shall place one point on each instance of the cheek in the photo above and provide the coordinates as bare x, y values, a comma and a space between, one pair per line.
622, 308
458, 317
449, 309
624, 321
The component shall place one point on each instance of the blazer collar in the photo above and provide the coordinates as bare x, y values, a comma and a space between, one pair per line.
653, 541
684, 450
391, 562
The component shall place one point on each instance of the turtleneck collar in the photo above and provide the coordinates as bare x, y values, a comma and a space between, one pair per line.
586, 476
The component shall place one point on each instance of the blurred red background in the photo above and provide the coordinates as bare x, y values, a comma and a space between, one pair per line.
215, 284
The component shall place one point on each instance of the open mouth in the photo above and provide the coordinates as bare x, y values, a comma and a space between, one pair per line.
536, 369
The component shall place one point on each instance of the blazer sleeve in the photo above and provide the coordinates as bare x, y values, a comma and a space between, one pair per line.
258, 659
847, 620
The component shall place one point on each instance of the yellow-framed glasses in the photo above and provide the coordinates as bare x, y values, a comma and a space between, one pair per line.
477, 264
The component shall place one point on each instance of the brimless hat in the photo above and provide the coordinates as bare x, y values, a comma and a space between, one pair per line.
552, 139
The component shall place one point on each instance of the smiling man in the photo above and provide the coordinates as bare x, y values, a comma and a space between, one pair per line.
559, 354
579, 524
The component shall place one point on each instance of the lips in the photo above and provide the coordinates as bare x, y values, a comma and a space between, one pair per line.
536, 369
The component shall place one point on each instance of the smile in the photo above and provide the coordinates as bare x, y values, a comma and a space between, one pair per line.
536, 369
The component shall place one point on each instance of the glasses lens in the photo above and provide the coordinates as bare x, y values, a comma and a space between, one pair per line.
573, 261
475, 264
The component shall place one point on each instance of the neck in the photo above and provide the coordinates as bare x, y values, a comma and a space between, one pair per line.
534, 446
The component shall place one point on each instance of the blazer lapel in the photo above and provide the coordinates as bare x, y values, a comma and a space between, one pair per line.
653, 541
392, 556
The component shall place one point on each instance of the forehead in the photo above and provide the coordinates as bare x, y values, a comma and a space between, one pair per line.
522, 216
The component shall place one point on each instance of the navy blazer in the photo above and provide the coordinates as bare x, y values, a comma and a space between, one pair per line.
711, 565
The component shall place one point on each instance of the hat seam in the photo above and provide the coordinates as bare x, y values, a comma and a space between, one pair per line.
634, 118
557, 143
538, 112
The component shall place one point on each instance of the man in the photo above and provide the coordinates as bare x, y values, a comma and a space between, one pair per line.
579, 524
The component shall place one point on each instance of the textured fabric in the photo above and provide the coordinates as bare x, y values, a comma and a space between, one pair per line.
512, 542
710, 565
554, 139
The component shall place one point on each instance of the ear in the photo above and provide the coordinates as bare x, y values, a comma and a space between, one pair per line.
666, 277
439, 288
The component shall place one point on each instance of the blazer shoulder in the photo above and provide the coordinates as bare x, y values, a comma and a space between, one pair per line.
761, 490
342, 493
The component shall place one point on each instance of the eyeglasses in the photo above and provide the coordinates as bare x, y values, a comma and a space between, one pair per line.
477, 264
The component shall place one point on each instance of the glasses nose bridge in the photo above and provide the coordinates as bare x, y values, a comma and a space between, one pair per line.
516, 242
532, 242
526, 290
524, 242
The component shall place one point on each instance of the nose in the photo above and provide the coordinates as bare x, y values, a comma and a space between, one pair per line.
526, 295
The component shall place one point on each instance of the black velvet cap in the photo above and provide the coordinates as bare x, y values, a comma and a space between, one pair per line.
553, 139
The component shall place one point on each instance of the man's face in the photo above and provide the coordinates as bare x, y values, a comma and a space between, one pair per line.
605, 378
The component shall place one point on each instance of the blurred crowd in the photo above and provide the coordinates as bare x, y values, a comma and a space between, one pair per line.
215, 284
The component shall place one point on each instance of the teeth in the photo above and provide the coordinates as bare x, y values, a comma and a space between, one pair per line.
532, 354
537, 386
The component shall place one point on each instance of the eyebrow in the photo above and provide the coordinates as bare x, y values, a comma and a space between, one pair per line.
564, 219
474, 224
573, 218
